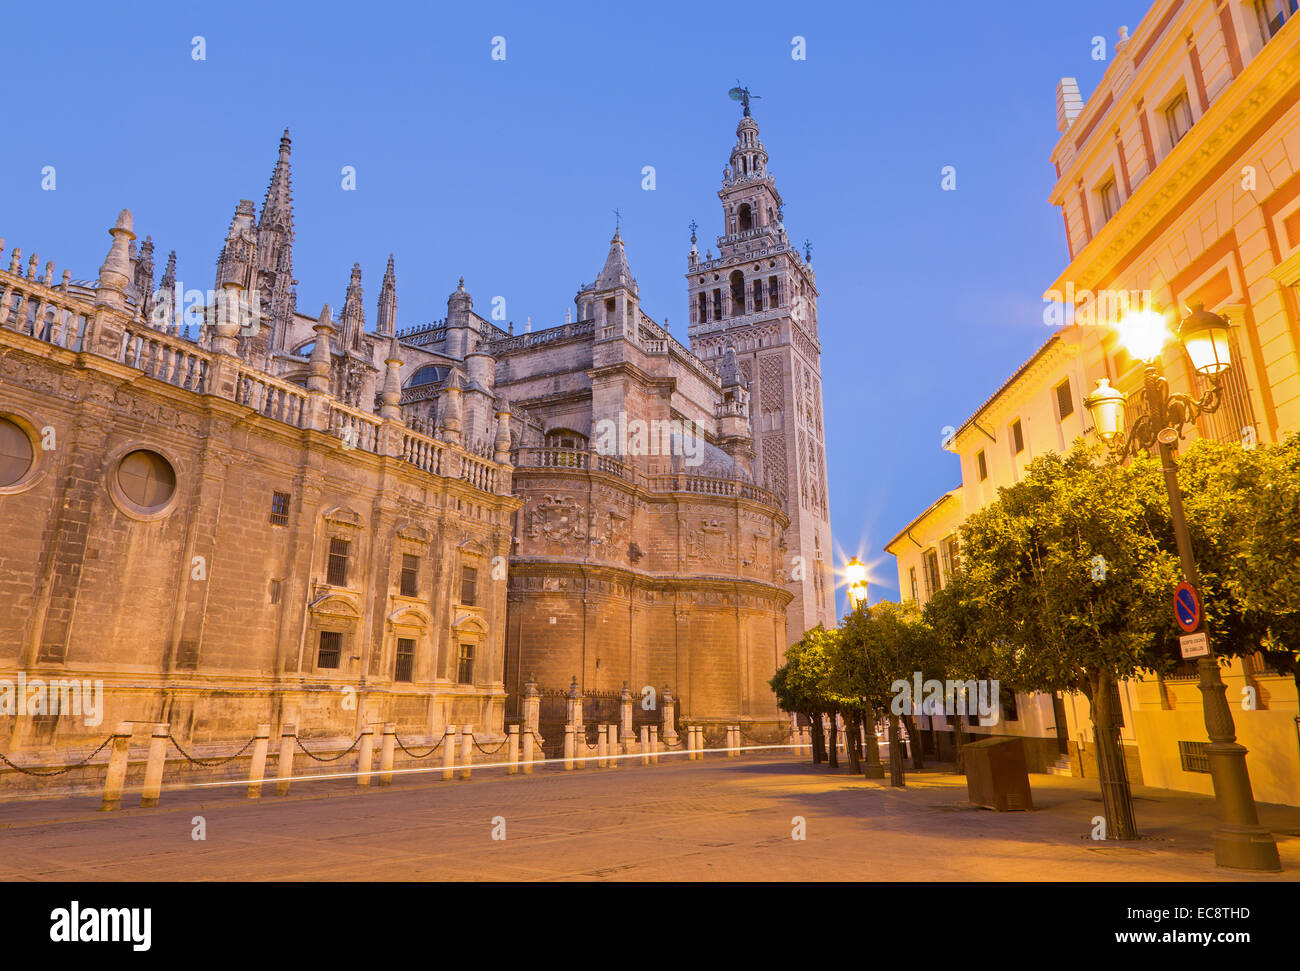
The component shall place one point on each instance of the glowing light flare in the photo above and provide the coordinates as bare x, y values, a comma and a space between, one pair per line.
1144, 334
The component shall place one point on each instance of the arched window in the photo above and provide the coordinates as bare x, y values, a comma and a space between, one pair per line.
703, 309
745, 217
737, 280
429, 374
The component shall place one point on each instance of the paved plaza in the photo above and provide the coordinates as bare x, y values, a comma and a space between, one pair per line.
723, 819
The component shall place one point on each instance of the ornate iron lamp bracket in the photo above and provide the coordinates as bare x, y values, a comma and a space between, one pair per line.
1163, 411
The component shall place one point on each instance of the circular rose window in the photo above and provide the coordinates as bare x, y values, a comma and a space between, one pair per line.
16, 454
146, 479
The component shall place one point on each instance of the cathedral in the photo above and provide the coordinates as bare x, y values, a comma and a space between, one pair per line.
275, 517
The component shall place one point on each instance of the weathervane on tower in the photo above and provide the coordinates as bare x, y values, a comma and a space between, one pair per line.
742, 95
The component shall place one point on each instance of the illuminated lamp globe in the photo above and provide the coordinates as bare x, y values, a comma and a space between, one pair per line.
1205, 335
1106, 405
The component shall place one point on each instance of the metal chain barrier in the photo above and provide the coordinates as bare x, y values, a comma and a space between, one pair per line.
485, 751
333, 758
398, 740
19, 768
210, 763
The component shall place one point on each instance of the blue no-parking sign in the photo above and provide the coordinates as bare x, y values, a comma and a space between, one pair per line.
1187, 607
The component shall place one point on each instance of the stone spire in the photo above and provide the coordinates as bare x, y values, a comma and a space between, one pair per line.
616, 272
386, 321
143, 281
115, 273
275, 282
391, 399
277, 207
501, 444
353, 318
165, 311
319, 375
235, 264
449, 423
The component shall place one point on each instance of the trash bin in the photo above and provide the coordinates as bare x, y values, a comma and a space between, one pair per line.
996, 774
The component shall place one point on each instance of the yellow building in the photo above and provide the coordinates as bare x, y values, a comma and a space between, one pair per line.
1179, 182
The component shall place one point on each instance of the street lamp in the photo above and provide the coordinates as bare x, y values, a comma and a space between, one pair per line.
855, 572
1239, 840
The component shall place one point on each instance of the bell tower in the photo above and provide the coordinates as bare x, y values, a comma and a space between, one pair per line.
758, 296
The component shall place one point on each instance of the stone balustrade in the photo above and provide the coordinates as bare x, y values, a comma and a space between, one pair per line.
68, 316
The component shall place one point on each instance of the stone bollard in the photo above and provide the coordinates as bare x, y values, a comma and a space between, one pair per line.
528, 752
115, 778
568, 747
601, 761
697, 742
669, 706
654, 744
612, 746
386, 754
448, 752
466, 750
579, 745
153, 770
626, 733
257, 768
284, 765
645, 745
512, 750
532, 708
365, 755
733, 741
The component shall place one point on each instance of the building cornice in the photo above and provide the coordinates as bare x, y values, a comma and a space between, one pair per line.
1266, 84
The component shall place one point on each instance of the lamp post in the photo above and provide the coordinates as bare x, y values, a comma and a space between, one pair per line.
1240, 841
855, 573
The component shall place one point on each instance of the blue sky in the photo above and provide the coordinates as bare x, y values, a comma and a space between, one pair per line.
508, 172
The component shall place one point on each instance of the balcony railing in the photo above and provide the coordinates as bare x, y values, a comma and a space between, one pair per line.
699, 483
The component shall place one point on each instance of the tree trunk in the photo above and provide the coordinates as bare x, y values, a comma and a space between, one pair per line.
1116, 793
818, 739
833, 760
896, 777
853, 741
872, 768
958, 740
914, 740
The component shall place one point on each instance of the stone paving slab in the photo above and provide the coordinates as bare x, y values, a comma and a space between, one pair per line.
726, 819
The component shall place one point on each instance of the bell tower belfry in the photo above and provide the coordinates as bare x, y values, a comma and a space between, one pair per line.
758, 295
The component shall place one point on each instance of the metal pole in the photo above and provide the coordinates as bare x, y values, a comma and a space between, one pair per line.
1240, 842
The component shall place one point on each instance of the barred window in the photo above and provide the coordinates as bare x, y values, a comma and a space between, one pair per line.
1235, 415
340, 552
948, 550
405, 659
410, 575
331, 649
469, 586
1193, 756
279, 509
465, 664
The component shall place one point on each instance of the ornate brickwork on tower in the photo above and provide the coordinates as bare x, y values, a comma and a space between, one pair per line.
759, 297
